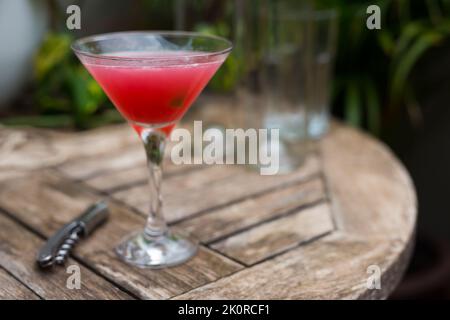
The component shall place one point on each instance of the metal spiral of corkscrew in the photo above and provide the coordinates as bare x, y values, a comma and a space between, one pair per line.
59, 245
66, 247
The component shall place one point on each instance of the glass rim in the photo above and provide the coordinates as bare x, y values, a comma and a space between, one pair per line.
103, 36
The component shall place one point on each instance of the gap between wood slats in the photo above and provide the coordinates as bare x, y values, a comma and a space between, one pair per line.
247, 197
278, 235
137, 182
274, 256
259, 223
326, 189
20, 283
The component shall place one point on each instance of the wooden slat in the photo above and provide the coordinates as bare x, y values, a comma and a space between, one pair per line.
212, 187
367, 184
245, 214
28, 149
372, 197
207, 266
46, 201
113, 181
97, 141
8, 174
271, 238
115, 166
18, 249
99, 165
87, 167
11, 289
333, 267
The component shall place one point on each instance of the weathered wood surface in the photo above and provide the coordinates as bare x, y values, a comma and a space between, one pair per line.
19, 248
12, 289
310, 234
45, 201
211, 187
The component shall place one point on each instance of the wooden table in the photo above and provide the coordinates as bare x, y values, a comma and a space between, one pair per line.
312, 234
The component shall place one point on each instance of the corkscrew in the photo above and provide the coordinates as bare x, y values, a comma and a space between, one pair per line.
58, 247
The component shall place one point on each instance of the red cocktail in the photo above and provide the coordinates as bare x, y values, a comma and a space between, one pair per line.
153, 78
158, 93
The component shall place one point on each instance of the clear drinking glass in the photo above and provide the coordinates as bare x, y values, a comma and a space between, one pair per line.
274, 88
298, 67
322, 29
288, 50
153, 78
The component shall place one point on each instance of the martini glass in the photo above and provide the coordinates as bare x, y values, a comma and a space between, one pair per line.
152, 78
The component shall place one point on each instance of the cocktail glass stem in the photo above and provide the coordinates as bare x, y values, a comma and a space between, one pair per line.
156, 246
154, 144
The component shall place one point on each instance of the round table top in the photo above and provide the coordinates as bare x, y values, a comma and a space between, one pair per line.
340, 227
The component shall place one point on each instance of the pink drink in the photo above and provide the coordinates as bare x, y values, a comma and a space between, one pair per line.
156, 93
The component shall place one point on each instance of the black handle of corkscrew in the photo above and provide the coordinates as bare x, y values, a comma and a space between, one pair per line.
59, 245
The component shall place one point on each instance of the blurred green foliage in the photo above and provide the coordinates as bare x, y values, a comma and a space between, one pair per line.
64, 92
373, 84
227, 76
63, 86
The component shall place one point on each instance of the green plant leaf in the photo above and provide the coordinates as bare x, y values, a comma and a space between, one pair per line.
353, 105
85, 93
373, 108
408, 61
407, 35
227, 76
386, 41
53, 51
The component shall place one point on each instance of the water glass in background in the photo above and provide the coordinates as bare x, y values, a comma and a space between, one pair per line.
285, 85
323, 28
297, 70
282, 61
285, 77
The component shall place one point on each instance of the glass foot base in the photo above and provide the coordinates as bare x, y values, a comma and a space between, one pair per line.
156, 252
